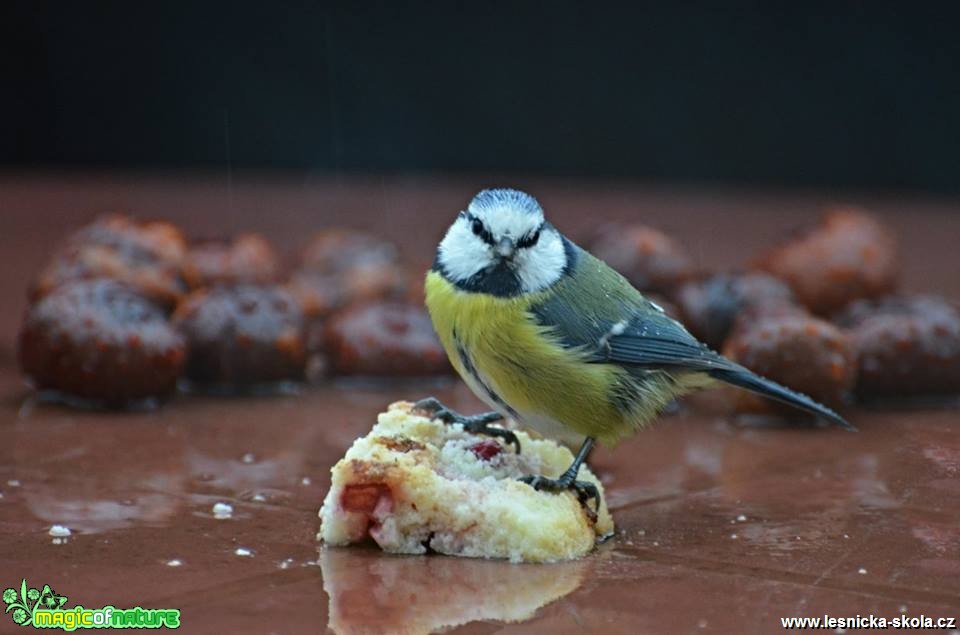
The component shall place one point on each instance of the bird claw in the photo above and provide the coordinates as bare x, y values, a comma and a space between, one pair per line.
476, 424
584, 490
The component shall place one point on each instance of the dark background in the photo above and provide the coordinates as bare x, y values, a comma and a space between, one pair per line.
857, 94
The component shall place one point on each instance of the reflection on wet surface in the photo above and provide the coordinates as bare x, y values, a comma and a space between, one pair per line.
722, 526
407, 595
718, 523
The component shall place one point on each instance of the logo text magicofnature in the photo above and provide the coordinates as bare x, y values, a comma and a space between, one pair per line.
44, 608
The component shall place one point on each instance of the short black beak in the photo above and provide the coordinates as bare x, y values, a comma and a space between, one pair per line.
505, 248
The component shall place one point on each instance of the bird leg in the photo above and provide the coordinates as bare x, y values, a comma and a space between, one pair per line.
474, 424
584, 490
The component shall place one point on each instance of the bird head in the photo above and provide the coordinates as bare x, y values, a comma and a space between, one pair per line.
501, 244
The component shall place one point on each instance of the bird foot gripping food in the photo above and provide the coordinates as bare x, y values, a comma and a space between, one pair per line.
416, 484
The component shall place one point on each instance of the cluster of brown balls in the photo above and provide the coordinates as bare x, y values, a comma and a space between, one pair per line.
128, 310
820, 312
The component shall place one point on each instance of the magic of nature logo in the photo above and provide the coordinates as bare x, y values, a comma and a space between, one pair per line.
44, 608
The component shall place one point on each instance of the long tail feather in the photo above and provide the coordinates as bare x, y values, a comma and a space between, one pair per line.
743, 378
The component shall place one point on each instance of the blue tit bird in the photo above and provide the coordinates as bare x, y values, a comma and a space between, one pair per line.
545, 333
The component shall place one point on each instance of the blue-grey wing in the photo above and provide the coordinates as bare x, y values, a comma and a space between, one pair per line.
597, 311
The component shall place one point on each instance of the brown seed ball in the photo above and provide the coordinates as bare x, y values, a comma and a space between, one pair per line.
336, 250
907, 346
247, 259
384, 338
342, 266
100, 340
242, 336
318, 294
850, 255
648, 258
145, 255
711, 307
804, 353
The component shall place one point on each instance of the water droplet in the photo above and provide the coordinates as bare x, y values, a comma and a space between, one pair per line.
222, 511
59, 531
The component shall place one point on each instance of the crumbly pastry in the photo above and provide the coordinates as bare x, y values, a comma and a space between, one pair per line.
415, 484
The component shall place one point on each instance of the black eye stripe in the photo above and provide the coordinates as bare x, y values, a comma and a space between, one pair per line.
476, 225
529, 240
480, 230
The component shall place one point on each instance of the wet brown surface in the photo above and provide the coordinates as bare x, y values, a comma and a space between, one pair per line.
723, 526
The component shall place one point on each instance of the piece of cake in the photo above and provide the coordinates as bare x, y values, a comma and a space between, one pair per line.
415, 484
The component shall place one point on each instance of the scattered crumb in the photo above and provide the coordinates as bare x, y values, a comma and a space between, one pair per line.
305, 480
741, 518
846, 536
733, 536
903, 608
243, 552
59, 531
286, 563
249, 457
259, 498
222, 511
702, 623
174, 563
656, 544
862, 571
13, 483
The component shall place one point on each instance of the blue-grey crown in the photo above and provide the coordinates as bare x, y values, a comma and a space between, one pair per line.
505, 197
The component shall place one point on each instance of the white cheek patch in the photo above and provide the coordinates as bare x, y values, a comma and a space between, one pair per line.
462, 254
540, 266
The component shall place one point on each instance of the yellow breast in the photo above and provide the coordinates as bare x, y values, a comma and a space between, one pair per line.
495, 341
